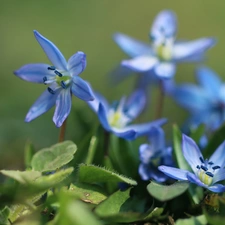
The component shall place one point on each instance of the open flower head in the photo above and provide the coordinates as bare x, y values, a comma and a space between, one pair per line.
153, 155
205, 102
62, 80
116, 118
207, 172
161, 56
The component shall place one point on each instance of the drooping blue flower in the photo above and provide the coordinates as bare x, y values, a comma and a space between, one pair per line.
153, 155
117, 117
206, 172
206, 103
160, 58
62, 78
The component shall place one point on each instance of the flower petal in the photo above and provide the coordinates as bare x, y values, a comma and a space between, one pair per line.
145, 153
98, 98
77, 63
82, 89
217, 188
164, 25
175, 173
135, 104
33, 72
218, 176
157, 138
131, 46
42, 105
140, 63
63, 107
53, 53
218, 156
191, 152
102, 115
184, 95
165, 69
126, 134
144, 128
194, 179
188, 51
209, 80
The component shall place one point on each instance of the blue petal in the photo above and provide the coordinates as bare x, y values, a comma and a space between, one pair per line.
144, 128
191, 97
157, 138
145, 153
165, 69
194, 179
82, 89
217, 188
53, 53
33, 72
218, 156
209, 80
131, 46
63, 106
175, 173
102, 115
42, 105
98, 98
141, 63
164, 25
125, 133
135, 104
77, 63
191, 152
187, 51
220, 175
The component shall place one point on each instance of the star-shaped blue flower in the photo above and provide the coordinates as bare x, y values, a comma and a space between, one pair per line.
62, 78
117, 117
206, 172
206, 103
153, 155
161, 57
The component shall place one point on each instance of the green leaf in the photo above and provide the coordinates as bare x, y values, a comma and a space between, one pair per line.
154, 214
198, 220
28, 154
93, 174
4, 214
88, 192
92, 149
115, 209
217, 138
167, 192
50, 159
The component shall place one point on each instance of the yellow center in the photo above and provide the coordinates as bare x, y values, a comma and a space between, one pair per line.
115, 120
164, 52
206, 179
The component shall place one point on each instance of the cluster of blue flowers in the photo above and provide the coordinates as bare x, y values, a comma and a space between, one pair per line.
155, 61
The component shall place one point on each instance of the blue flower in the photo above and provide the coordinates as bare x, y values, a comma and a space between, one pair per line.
117, 117
62, 78
206, 172
161, 57
206, 103
153, 155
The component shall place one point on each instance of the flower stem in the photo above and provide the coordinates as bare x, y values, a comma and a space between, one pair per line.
106, 143
62, 131
160, 101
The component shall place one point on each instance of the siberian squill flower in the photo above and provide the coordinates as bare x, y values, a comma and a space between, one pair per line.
206, 102
207, 172
62, 78
153, 155
160, 58
116, 118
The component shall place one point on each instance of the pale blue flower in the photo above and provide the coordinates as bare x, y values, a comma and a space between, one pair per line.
153, 155
117, 117
206, 102
62, 78
160, 58
206, 172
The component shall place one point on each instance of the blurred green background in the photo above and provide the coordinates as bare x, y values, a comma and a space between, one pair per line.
86, 25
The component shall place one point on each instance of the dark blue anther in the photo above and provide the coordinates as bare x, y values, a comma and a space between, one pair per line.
198, 167
210, 163
58, 73
51, 91
209, 174
215, 167
51, 68
63, 85
201, 159
152, 37
204, 168
45, 79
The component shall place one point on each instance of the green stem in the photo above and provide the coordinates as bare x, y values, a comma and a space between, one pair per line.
160, 101
106, 143
62, 131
